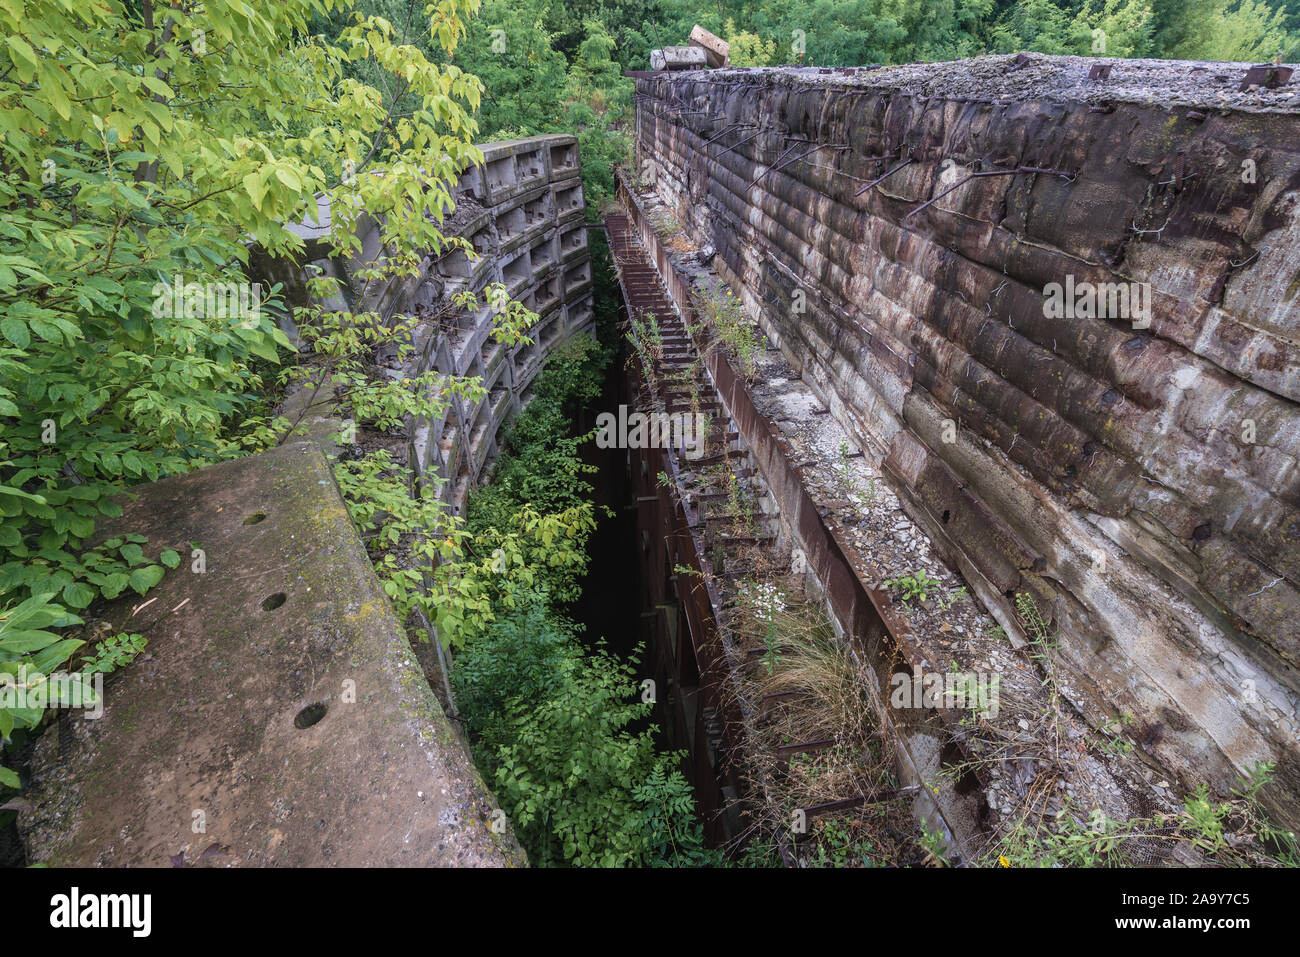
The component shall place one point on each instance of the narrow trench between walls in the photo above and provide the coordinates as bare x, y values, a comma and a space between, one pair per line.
611, 586
546, 666
758, 688
12, 852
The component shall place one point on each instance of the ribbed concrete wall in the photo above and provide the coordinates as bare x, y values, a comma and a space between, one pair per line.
1139, 478
523, 212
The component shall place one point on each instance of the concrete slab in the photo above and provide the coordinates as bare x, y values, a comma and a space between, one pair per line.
716, 50
278, 716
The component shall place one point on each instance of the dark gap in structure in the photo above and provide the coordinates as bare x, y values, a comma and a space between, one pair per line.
310, 715
612, 605
19, 758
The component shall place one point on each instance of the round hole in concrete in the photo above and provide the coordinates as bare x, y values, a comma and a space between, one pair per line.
255, 518
274, 601
310, 715
946, 515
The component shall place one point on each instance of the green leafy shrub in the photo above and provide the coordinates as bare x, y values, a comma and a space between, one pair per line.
114, 653
30, 649
551, 722
725, 317
552, 729
541, 472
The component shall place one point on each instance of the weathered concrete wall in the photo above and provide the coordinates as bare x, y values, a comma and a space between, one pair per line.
1139, 480
530, 233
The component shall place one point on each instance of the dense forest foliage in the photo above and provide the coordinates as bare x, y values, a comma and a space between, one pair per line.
551, 66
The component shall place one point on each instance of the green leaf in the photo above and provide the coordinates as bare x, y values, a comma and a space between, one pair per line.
114, 585
23, 57
256, 189
290, 178
26, 641
78, 595
48, 660
142, 579
15, 330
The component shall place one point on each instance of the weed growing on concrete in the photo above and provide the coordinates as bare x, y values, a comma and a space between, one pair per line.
934, 844
846, 482
914, 587
1110, 740
740, 506
951, 598
114, 653
725, 318
648, 343
1235, 832
813, 689
1042, 642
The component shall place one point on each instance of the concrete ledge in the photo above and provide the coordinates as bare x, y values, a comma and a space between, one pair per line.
201, 747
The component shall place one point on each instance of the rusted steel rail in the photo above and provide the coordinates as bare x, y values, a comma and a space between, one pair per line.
882, 640
688, 656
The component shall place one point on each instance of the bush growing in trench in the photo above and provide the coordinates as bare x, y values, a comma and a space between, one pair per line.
551, 720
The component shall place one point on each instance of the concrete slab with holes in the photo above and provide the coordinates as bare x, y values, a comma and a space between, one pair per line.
277, 716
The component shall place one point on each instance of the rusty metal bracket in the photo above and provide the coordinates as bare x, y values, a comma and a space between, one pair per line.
780, 165
880, 179
990, 172
1268, 75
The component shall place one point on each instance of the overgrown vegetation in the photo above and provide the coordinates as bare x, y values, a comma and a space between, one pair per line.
809, 688
557, 725
141, 146
914, 587
1236, 832
853, 33
551, 68
722, 316
846, 480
